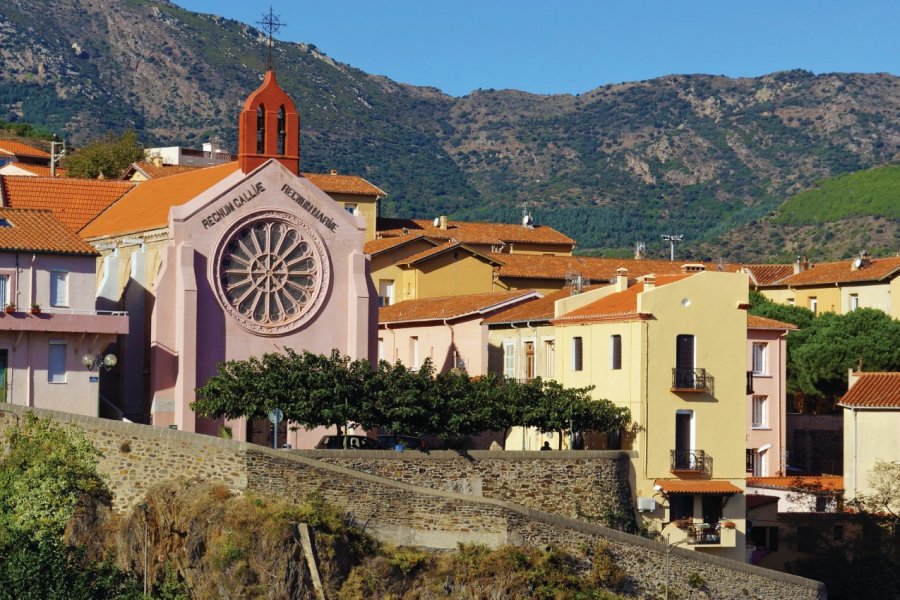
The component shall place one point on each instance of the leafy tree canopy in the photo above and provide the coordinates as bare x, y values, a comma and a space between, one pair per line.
109, 157
796, 315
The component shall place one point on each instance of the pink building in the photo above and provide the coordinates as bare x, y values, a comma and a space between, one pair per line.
48, 325
449, 330
766, 395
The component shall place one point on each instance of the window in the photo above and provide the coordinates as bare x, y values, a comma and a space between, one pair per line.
760, 412
414, 351
385, 292
577, 354
509, 359
615, 351
380, 348
760, 356
751, 460
350, 207
549, 357
854, 301
4, 290
56, 362
814, 305
791, 301
529, 361
59, 288
681, 506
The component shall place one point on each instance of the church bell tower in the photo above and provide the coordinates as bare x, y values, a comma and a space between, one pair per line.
269, 128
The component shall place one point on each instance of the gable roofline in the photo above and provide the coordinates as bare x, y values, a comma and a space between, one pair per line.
492, 302
397, 242
431, 253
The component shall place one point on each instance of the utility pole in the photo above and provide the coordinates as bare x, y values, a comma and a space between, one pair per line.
672, 239
54, 157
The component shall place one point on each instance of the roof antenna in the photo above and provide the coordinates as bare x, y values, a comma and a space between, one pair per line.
527, 219
271, 24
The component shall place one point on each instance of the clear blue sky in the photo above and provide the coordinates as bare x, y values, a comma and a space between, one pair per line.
571, 46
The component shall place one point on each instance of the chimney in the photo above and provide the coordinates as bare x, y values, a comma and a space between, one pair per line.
443, 222
621, 279
334, 171
649, 282
853, 376
802, 264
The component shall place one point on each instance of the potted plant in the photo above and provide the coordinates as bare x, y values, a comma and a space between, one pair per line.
728, 524
35, 309
685, 523
10, 308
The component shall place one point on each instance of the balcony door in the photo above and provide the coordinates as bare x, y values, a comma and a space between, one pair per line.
684, 440
684, 361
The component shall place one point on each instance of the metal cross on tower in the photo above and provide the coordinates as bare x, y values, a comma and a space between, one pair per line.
270, 24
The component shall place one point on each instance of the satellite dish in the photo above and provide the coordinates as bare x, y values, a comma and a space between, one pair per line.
437, 222
858, 263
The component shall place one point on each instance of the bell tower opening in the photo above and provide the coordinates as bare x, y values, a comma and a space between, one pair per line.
260, 129
281, 131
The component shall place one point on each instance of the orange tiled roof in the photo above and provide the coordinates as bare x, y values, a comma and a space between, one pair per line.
697, 486
40, 170
24, 230
874, 390
74, 202
621, 306
539, 309
494, 234
147, 205
842, 272
757, 322
825, 483
445, 247
344, 184
20, 149
594, 269
768, 274
379, 245
152, 171
449, 307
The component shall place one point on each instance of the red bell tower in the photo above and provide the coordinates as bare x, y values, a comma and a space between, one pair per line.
269, 128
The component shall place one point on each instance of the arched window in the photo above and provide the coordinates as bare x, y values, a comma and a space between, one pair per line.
281, 133
261, 129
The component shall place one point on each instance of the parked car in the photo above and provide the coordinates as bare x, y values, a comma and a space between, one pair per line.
354, 442
409, 442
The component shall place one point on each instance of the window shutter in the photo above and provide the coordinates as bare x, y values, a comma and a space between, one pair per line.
59, 288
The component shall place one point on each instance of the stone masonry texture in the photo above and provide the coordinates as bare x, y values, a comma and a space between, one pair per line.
136, 457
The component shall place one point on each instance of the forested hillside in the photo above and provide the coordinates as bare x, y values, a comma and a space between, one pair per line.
697, 155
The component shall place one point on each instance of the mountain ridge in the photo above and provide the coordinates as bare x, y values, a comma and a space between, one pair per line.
691, 154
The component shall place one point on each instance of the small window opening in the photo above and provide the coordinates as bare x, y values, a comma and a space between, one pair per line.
281, 132
261, 129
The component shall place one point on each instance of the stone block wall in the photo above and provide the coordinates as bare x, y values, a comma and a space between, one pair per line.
589, 485
135, 457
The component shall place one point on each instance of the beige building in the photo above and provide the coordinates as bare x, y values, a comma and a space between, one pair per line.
840, 287
672, 349
871, 427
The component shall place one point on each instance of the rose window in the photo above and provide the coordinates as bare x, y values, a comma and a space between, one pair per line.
272, 271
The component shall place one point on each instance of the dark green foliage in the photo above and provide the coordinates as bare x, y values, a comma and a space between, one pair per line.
109, 157
796, 315
317, 390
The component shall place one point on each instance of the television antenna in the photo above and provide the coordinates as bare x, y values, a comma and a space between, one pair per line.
271, 24
672, 239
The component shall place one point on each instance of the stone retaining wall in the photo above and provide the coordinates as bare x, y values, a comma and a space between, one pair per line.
589, 485
135, 457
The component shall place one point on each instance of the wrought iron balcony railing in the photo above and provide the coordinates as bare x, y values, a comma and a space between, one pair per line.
689, 460
705, 533
749, 382
691, 380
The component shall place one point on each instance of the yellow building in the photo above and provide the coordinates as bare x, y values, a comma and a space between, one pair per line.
672, 349
871, 425
840, 287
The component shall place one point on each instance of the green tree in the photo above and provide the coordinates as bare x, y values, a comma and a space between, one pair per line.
796, 315
109, 157
821, 354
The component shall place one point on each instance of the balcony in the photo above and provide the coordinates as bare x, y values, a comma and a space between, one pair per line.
65, 321
689, 461
692, 380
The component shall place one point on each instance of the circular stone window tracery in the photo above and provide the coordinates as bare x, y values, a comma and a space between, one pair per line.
271, 272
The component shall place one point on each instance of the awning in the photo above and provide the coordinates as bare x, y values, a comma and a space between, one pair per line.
697, 486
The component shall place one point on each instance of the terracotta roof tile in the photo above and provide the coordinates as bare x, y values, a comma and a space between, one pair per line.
379, 245
152, 171
494, 234
39, 170
768, 274
449, 307
842, 272
445, 247
344, 184
621, 306
147, 205
25, 230
874, 390
825, 483
539, 309
74, 202
594, 269
20, 149
697, 486
757, 322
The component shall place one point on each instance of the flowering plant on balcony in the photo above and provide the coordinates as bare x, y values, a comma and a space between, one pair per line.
10, 308
684, 523
35, 309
